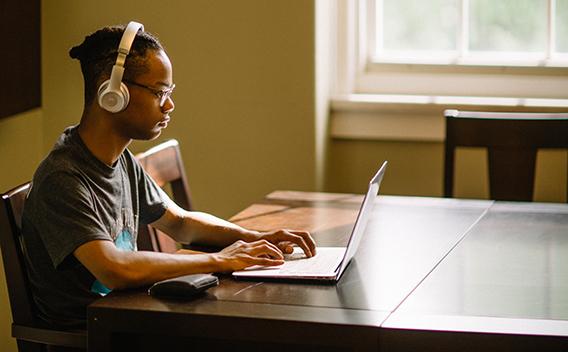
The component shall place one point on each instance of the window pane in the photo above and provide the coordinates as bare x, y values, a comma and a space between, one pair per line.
508, 25
418, 24
562, 26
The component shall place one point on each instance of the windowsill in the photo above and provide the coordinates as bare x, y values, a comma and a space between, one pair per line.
416, 117
556, 65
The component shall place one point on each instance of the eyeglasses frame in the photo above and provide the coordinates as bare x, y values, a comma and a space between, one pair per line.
162, 94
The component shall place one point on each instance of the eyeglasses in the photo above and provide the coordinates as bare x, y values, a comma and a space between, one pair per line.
162, 94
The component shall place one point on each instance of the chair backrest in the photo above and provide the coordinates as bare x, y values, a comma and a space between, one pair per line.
30, 333
512, 141
19, 291
164, 164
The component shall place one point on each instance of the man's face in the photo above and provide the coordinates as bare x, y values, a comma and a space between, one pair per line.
145, 116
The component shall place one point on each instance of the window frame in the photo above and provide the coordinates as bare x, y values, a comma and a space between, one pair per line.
358, 73
462, 56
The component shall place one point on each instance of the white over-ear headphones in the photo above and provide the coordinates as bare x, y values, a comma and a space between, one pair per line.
113, 95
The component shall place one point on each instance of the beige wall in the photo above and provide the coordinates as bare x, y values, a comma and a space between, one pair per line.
416, 168
245, 89
20, 147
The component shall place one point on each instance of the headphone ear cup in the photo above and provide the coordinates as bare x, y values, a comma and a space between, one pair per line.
113, 100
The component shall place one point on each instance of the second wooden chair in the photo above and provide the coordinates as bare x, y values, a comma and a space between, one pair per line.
164, 164
512, 141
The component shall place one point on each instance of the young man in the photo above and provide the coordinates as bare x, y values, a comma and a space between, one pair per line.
90, 196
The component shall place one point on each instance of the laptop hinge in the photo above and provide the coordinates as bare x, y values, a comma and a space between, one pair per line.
338, 267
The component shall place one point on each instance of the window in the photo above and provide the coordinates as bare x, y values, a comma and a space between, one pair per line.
470, 32
400, 63
463, 48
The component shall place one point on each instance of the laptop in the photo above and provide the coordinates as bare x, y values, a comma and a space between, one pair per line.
330, 262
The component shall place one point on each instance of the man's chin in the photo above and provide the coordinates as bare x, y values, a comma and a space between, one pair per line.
148, 136
155, 135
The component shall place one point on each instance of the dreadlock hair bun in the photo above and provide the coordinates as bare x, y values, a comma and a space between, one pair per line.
76, 52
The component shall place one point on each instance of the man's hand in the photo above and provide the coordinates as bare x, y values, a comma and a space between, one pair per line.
241, 255
286, 239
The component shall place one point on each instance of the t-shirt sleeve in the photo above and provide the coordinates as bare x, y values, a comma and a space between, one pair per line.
153, 200
66, 216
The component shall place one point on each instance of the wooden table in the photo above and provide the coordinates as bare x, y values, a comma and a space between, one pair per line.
430, 274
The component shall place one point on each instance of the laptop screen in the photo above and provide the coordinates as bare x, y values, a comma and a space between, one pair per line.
363, 217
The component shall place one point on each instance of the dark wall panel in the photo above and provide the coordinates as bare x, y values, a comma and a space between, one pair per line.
20, 55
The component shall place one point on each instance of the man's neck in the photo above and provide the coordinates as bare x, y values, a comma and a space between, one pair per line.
101, 138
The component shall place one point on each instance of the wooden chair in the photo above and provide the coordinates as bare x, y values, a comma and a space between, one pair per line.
30, 333
511, 139
164, 164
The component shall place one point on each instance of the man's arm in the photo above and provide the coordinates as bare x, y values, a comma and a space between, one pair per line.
196, 227
118, 269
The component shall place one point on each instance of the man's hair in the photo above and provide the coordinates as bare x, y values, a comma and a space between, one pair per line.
97, 54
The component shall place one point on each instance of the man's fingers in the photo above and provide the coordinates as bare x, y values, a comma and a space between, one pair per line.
286, 247
264, 249
300, 242
245, 254
264, 253
301, 239
265, 261
308, 239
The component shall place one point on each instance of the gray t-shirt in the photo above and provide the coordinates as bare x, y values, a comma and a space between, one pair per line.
75, 198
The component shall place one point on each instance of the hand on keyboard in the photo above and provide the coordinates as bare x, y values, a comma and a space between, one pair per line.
294, 256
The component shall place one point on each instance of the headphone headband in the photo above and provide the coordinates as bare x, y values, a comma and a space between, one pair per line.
123, 50
113, 95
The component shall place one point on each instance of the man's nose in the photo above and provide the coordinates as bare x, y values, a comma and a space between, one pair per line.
169, 105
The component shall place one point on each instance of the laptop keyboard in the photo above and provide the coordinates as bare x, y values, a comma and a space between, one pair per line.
298, 263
